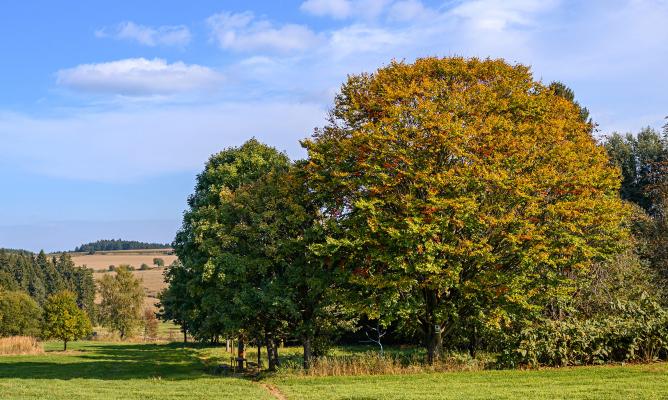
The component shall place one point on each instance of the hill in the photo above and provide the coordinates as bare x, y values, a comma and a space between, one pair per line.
118, 244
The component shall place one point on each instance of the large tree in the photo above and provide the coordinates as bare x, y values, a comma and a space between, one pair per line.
465, 186
122, 300
208, 252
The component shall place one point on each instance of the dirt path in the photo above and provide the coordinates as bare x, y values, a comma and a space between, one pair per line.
274, 391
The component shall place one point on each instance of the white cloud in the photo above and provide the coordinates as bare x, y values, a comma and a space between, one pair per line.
131, 144
178, 35
244, 32
497, 15
334, 8
138, 77
409, 10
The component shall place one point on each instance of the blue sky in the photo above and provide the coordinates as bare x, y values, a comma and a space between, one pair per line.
108, 109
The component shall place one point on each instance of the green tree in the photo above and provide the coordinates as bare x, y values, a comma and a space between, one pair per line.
204, 247
177, 304
20, 315
63, 319
122, 300
159, 262
465, 186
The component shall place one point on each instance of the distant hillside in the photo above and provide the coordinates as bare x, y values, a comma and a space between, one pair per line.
16, 251
118, 244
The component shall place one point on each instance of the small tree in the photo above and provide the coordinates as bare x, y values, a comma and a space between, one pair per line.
159, 262
63, 319
19, 314
144, 267
122, 301
150, 324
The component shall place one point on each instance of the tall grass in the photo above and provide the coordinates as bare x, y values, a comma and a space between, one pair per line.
372, 363
15, 345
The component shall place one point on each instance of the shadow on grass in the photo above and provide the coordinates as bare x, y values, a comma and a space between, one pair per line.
109, 362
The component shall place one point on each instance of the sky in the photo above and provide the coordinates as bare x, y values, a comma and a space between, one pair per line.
109, 109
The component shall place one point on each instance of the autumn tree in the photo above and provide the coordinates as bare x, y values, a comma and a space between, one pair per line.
122, 300
63, 319
465, 187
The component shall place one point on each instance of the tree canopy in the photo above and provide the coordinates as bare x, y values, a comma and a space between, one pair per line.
63, 319
466, 186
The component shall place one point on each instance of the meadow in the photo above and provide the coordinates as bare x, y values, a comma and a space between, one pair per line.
96, 370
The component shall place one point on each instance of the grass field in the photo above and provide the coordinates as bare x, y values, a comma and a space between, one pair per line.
93, 370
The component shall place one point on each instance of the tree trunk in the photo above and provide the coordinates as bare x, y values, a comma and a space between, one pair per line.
259, 353
433, 328
308, 352
64, 345
277, 361
185, 336
270, 353
241, 354
474, 342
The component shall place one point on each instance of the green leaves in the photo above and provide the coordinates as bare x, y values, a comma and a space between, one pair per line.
63, 319
122, 302
465, 177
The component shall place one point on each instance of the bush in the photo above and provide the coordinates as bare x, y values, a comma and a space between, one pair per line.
144, 267
112, 268
19, 314
159, 262
635, 331
16, 345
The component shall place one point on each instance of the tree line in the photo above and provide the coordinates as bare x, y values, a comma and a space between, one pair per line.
49, 297
118, 244
457, 202
39, 276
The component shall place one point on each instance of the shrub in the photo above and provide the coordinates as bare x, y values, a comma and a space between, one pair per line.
144, 267
19, 314
635, 331
150, 324
112, 268
16, 345
159, 262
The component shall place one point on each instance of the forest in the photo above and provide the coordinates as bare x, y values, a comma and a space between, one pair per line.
455, 204
117, 244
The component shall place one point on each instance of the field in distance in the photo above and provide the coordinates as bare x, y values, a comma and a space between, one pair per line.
103, 259
152, 279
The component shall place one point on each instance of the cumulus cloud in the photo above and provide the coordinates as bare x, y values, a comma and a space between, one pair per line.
178, 35
138, 77
244, 32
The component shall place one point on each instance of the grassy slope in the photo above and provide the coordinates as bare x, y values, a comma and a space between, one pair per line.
95, 370
628, 382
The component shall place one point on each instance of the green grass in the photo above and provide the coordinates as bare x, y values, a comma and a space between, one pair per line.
94, 370
608, 382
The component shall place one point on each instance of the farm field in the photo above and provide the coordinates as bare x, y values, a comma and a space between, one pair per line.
152, 281
102, 260
95, 370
